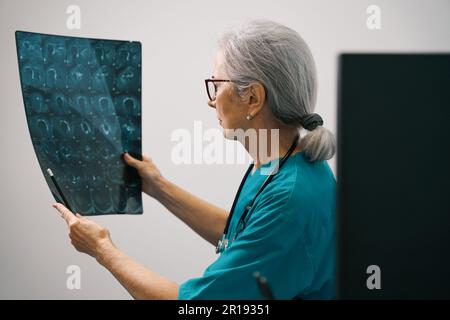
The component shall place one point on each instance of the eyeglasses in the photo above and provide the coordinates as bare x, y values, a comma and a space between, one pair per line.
211, 87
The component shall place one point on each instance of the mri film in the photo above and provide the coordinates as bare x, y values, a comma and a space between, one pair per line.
82, 101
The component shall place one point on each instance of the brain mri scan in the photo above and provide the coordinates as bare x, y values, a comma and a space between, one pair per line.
82, 101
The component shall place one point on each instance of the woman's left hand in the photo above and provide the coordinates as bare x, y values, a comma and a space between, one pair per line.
86, 235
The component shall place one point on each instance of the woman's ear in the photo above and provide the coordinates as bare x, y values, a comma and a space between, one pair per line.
256, 97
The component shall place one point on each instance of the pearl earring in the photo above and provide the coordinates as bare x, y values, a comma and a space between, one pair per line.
249, 117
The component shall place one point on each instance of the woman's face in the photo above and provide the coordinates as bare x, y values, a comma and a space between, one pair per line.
231, 110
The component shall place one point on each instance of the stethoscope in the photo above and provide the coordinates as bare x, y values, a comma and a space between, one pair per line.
224, 240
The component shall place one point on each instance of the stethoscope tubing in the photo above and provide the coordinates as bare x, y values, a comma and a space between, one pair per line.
223, 242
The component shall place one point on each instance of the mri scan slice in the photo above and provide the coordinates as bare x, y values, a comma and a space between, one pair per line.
82, 100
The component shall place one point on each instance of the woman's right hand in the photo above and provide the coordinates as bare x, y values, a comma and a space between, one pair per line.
150, 175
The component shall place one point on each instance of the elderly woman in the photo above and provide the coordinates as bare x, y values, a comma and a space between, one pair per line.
281, 224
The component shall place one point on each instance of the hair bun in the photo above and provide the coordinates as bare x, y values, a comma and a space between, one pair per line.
311, 121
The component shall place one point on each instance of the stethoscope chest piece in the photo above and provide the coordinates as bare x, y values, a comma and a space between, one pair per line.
222, 244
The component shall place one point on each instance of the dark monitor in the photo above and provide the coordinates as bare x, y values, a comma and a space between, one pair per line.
393, 227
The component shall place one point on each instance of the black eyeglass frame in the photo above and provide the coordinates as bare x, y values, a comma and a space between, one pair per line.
207, 81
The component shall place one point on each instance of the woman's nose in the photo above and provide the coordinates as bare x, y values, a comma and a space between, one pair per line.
212, 104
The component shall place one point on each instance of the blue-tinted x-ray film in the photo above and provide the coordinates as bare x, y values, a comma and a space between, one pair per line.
83, 106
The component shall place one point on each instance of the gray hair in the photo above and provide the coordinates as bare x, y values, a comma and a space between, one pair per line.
277, 57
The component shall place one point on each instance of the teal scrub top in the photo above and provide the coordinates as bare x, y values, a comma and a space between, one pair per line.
289, 238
